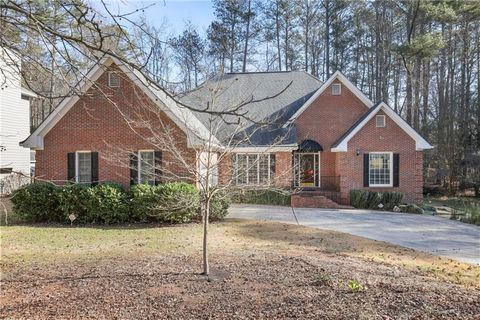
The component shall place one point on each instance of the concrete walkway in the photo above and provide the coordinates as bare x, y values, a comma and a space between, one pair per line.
427, 233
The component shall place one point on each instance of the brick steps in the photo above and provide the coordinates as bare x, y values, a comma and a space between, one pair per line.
315, 199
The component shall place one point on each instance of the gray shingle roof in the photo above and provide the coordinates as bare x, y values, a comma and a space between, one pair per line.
266, 99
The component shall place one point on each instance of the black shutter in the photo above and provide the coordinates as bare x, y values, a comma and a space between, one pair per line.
366, 167
133, 168
94, 168
158, 167
71, 166
396, 169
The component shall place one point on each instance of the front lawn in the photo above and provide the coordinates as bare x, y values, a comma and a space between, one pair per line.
260, 270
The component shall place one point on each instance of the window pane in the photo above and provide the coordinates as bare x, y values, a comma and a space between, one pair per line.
380, 169
272, 168
252, 169
241, 167
264, 168
147, 167
84, 167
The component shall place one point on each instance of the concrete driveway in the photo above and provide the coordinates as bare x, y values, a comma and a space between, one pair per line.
432, 234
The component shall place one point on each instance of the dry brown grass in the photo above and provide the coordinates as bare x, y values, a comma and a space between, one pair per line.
262, 269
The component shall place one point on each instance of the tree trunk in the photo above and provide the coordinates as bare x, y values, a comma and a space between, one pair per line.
327, 39
206, 214
277, 34
247, 36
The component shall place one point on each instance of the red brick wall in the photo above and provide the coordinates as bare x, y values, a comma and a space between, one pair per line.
95, 124
392, 139
326, 120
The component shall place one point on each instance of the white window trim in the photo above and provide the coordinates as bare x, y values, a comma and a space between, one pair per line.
139, 164
339, 86
391, 170
110, 81
269, 182
378, 116
77, 167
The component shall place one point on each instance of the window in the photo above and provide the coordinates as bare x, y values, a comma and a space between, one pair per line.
380, 169
113, 80
84, 167
146, 167
336, 89
254, 169
380, 120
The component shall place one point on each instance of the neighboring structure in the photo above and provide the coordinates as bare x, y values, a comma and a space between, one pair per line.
324, 138
14, 123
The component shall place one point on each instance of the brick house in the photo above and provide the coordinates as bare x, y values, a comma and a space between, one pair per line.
323, 138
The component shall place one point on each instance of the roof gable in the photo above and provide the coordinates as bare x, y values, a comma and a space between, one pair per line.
183, 117
336, 76
341, 145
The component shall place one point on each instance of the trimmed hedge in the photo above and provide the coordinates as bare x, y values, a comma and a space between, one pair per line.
37, 202
260, 196
364, 199
109, 203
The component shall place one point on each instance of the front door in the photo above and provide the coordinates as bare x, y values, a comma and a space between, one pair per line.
307, 169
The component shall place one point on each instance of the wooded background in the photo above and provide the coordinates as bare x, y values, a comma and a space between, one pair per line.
421, 57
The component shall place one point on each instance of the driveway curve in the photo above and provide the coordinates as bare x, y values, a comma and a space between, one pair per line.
436, 235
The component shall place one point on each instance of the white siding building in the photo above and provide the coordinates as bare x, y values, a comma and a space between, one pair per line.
14, 123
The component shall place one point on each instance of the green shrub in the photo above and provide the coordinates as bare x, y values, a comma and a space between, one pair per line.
391, 200
75, 199
260, 196
373, 200
108, 204
37, 202
177, 203
143, 198
364, 199
219, 206
411, 208
359, 199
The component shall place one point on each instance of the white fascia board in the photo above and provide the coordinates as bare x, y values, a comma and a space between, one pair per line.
35, 140
265, 149
337, 75
420, 142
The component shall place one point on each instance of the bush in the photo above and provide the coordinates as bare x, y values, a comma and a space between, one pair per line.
391, 200
364, 199
174, 203
260, 196
359, 199
75, 199
108, 204
142, 200
37, 202
411, 208
219, 206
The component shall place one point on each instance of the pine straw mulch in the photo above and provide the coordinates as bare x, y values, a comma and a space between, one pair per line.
280, 272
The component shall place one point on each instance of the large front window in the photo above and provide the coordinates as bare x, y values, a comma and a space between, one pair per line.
380, 169
146, 164
254, 169
84, 167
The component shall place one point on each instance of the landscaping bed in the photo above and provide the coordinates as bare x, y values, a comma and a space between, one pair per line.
259, 270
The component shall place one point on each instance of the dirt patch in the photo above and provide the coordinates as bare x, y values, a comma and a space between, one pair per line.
268, 271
